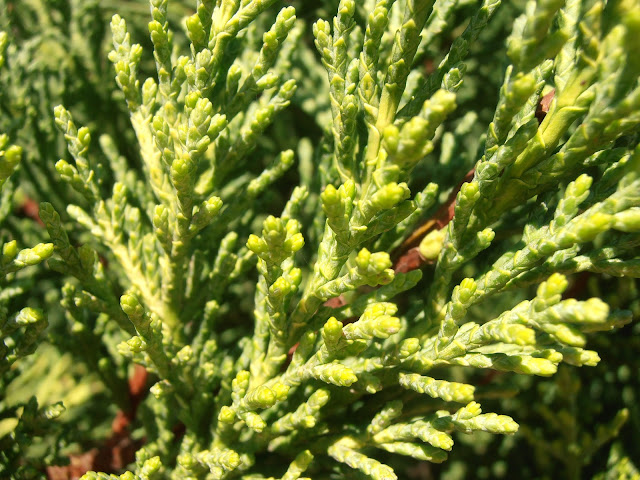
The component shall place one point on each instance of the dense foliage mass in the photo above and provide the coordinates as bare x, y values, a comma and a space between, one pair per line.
310, 240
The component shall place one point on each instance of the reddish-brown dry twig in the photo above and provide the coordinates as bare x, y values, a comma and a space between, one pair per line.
544, 104
30, 209
408, 256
